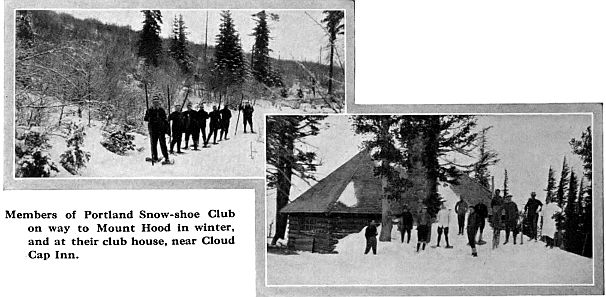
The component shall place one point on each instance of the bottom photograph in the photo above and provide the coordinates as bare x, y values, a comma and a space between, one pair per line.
429, 200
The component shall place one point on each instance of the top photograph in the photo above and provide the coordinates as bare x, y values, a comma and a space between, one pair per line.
131, 93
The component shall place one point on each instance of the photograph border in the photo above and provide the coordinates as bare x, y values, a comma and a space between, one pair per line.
593, 109
14, 183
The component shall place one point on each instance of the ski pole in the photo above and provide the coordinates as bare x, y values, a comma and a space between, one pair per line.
170, 135
239, 109
151, 142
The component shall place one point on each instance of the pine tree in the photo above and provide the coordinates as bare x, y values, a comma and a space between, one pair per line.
571, 222
178, 45
260, 61
583, 148
150, 44
229, 67
563, 185
551, 184
334, 27
285, 159
486, 158
25, 34
505, 184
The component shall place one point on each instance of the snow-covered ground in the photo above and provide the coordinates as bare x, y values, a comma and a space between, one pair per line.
399, 264
241, 156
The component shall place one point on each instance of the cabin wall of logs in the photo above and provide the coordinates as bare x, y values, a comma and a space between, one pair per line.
320, 233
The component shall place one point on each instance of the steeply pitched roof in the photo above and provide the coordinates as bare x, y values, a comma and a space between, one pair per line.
323, 197
472, 191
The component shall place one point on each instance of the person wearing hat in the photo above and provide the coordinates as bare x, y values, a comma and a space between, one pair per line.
461, 209
157, 124
247, 111
511, 219
423, 228
443, 224
225, 118
190, 117
215, 124
482, 212
177, 128
406, 224
202, 117
496, 218
532, 209
371, 237
472, 229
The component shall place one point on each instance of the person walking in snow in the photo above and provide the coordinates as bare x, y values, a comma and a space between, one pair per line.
225, 119
157, 124
511, 218
190, 118
202, 117
472, 229
443, 224
495, 218
550, 212
423, 228
247, 111
215, 124
371, 238
177, 128
482, 212
461, 209
532, 210
405, 225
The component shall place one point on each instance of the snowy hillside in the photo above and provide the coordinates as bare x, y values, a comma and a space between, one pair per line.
241, 156
399, 264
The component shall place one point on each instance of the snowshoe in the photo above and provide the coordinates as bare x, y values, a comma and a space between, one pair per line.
449, 246
435, 246
195, 149
481, 242
180, 153
168, 162
149, 159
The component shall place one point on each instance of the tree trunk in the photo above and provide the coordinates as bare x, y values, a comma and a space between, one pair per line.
283, 188
332, 49
385, 220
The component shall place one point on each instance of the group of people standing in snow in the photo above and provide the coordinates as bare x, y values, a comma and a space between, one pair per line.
504, 216
192, 123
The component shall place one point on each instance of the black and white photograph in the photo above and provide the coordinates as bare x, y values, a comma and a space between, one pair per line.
430, 200
136, 93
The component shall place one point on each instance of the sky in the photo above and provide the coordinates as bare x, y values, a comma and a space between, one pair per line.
295, 36
527, 145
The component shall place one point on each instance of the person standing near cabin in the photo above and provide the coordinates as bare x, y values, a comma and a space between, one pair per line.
496, 205
472, 229
550, 212
215, 124
247, 112
202, 117
511, 218
157, 124
190, 118
443, 224
532, 209
176, 117
461, 209
225, 118
371, 237
423, 228
406, 224
482, 212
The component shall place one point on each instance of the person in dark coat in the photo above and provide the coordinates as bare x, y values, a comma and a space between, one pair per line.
532, 209
158, 126
371, 238
461, 209
495, 218
202, 117
406, 224
482, 212
190, 118
225, 119
215, 124
423, 228
511, 219
177, 128
247, 112
472, 229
